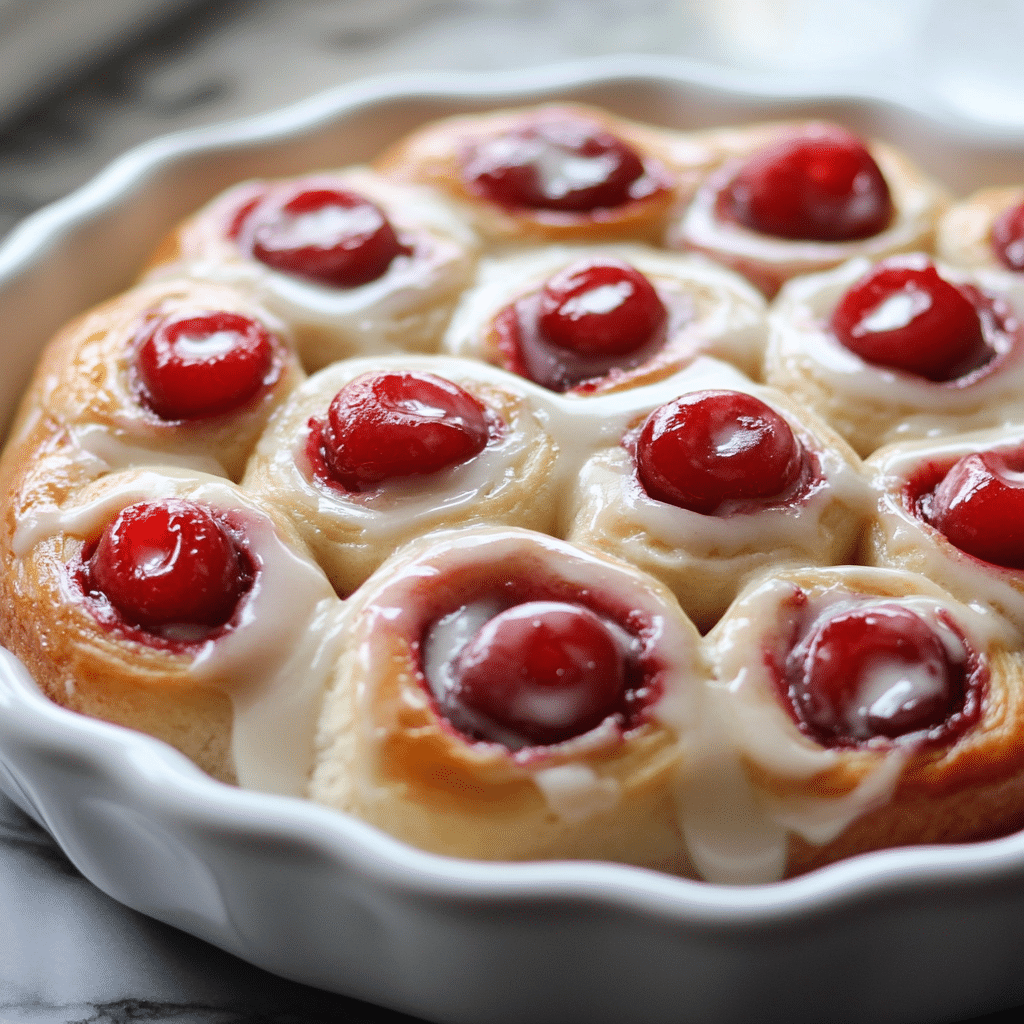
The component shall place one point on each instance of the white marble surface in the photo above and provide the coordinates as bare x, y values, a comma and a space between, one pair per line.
67, 952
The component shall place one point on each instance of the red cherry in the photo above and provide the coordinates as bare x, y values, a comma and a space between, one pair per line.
902, 314
599, 307
710, 447
385, 425
875, 670
821, 185
564, 164
979, 506
204, 364
544, 671
169, 562
327, 235
1008, 237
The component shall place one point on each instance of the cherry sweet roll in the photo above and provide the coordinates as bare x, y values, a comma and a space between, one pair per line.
905, 348
717, 484
370, 453
586, 320
178, 371
354, 263
555, 172
984, 230
508, 696
175, 604
791, 199
859, 709
952, 509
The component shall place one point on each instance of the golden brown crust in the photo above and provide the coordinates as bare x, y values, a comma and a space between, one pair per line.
86, 380
707, 560
955, 790
76, 660
386, 753
641, 793
964, 233
406, 309
511, 482
55, 504
710, 311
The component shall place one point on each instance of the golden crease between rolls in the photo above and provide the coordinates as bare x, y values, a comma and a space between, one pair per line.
380, 749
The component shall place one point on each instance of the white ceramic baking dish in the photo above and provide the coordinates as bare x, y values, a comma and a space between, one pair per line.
906, 935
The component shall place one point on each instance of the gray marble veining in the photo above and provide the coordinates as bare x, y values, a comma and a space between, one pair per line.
68, 953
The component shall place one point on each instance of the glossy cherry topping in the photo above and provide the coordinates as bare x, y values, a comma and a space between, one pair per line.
903, 314
979, 506
721, 451
327, 235
542, 671
168, 563
204, 364
601, 307
821, 185
565, 163
875, 670
593, 319
389, 424
1008, 237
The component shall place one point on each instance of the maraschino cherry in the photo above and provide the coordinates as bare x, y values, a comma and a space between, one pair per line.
1008, 237
904, 315
979, 507
328, 235
167, 563
707, 448
599, 307
821, 185
877, 670
396, 424
543, 672
593, 317
565, 164
203, 364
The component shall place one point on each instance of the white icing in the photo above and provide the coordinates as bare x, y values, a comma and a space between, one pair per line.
609, 481
746, 723
799, 333
562, 172
442, 262
577, 425
728, 314
904, 538
446, 639
575, 792
916, 201
443, 645
390, 613
114, 454
283, 647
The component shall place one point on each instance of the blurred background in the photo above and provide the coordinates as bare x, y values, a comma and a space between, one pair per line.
83, 80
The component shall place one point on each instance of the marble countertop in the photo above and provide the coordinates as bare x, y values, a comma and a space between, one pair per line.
67, 952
